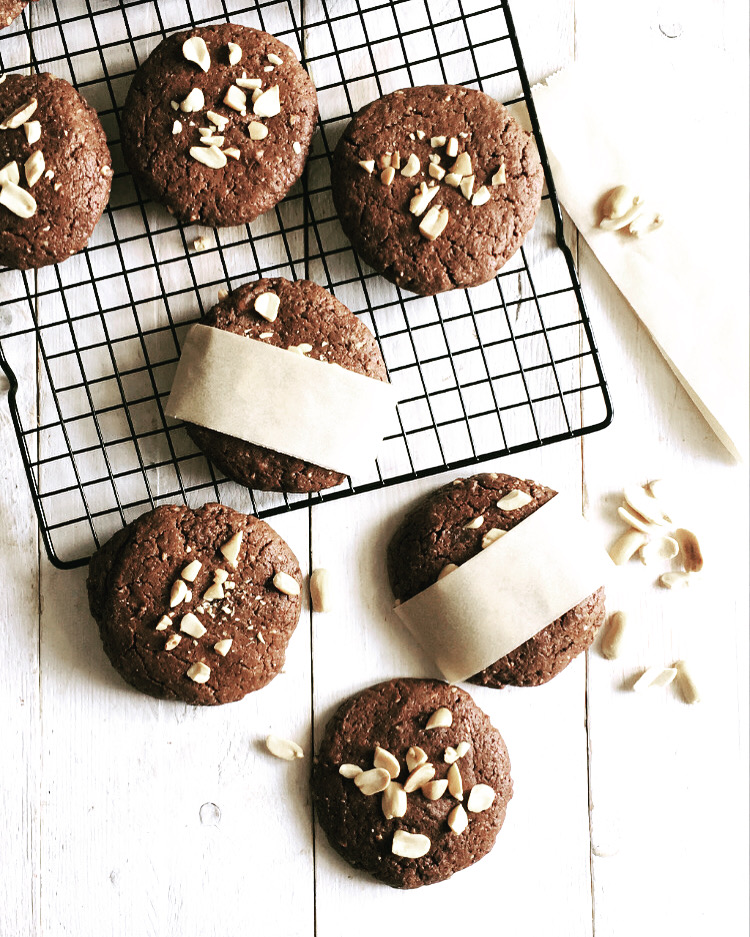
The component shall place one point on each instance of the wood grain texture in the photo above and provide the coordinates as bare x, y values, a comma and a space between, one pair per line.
123, 814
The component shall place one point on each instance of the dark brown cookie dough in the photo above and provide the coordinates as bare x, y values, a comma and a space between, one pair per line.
72, 190
434, 534
10, 10
264, 169
131, 582
393, 716
307, 315
478, 239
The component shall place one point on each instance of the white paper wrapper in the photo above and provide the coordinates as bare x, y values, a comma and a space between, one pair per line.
509, 592
662, 134
275, 398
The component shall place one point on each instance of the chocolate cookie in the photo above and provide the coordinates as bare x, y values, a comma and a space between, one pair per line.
436, 186
435, 534
316, 323
411, 782
195, 606
10, 10
195, 138
55, 170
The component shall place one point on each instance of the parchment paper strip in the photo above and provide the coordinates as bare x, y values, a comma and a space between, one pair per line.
509, 592
275, 398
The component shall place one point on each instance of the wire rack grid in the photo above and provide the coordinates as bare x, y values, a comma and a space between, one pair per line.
90, 346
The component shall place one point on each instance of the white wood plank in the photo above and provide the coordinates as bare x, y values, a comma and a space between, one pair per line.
668, 781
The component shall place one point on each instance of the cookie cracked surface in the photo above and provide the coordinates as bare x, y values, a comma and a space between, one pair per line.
135, 576
479, 237
435, 534
393, 716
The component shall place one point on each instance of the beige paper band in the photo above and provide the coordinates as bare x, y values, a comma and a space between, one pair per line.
275, 398
509, 592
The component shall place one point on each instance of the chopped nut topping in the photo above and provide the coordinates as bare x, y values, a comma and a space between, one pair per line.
437, 172
384, 161
232, 151
222, 647
453, 179
396, 160
172, 641
419, 776
283, 748
199, 672
462, 167
178, 593
192, 626
415, 757
193, 102
446, 570
33, 130
267, 104
304, 348
17, 200
373, 781
481, 797
475, 523
458, 819
434, 222
10, 173
388, 175
34, 168
286, 583
257, 130
412, 166
235, 98
441, 719
191, 571
297, 147
212, 141
350, 771
19, 116
462, 748
214, 593
455, 783
499, 177
163, 623
420, 134
231, 549
437, 141
267, 306
195, 50
368, 165
491, 536
217, 119
393, 802
514, 499
235, 53
410, 845
420, 201
176, 127
434, 790
384, 759
275, 59
451, 148
481, 196
466, 185
210, 156
450, 756
249, 84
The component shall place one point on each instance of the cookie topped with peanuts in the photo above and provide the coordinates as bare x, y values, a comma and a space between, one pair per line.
196, 606
436, 186
411, 782
55, 170
218, 122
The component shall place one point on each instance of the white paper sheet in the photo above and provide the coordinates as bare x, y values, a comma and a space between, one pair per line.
661, 133
276, 398
509, 592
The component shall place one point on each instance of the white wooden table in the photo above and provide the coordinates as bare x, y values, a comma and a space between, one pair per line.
124, 815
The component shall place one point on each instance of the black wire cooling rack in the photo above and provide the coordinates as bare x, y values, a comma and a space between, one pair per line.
90, 346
